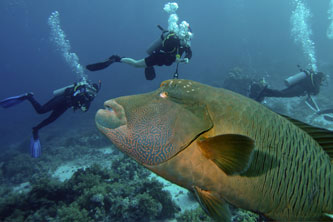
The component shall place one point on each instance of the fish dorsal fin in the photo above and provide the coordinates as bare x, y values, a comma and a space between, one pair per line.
230, 152
215, 207
323, 136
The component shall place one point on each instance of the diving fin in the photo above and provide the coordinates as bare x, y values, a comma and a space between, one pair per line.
14, 100
150, 73
328, 118
103, 65
35, 147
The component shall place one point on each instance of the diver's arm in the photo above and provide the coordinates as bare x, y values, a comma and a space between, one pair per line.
187, 57
188, 53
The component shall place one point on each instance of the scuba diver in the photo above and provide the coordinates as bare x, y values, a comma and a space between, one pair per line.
78, 96
306, 82
166, 50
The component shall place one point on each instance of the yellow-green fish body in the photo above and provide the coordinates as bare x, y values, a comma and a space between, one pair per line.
227, 149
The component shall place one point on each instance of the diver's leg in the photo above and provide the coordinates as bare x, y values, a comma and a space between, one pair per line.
135, 63
47, 107
267, 92
291, 91
54, 115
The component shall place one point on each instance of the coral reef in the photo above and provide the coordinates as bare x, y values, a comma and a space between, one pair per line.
240, 215
196, 215
121, 193
16, 165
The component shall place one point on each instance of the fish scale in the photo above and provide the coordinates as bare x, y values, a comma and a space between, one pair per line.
294, 198
290, 191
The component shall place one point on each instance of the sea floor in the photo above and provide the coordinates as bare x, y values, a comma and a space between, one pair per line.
179, 195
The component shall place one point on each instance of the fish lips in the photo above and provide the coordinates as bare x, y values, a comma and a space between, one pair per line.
112, 117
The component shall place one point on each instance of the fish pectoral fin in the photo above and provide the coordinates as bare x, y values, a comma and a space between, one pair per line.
230, 152
215, 207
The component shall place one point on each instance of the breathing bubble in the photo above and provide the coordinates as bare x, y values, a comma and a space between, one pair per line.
302, 32
171, 7
330, 17
181, 30
58, 36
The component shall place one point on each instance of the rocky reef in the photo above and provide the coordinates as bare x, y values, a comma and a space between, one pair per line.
121, 192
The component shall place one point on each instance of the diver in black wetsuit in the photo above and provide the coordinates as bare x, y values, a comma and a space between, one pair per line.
170, 51
78, 95
169, 48
308, 83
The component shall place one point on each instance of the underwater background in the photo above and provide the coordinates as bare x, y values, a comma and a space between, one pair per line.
255, 38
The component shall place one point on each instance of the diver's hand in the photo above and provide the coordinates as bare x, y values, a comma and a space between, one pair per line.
83, 109
185, 60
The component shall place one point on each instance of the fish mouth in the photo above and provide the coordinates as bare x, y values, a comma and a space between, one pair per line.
111, 117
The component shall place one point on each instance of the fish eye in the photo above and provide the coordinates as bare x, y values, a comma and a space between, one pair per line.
163, 95
109, 108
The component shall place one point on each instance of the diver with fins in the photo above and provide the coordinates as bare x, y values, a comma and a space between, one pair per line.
78, 96
166, 50
305, 83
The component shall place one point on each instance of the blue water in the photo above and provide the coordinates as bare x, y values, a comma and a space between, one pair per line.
254, 35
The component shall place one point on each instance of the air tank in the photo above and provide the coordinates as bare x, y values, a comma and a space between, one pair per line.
60, 91
292, 80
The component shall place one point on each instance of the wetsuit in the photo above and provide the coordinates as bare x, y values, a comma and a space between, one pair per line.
58, 105
308, 86
167, 53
